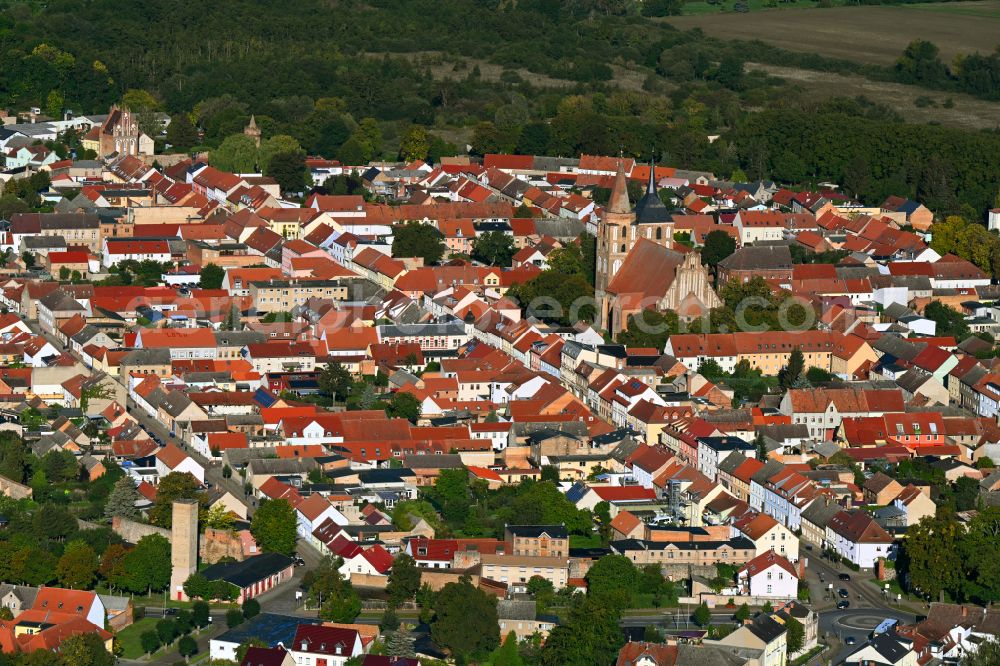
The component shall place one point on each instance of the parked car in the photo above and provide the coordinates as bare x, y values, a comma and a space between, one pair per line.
843, 593
846, 577
169, 611
843, 604
850, 640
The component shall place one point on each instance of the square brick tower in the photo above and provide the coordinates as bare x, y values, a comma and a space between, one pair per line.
183, 546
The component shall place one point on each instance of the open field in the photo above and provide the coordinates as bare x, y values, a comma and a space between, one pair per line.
870, 34
967, 112
129, 637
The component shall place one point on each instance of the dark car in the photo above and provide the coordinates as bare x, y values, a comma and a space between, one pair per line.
850, 640
843, 593
846, 577
843, 604
299, 562
170, 611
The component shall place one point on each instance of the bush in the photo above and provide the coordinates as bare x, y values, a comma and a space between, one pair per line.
234, 618
251, 608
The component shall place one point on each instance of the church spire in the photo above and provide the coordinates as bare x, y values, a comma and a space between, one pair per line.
619, 203
651, 188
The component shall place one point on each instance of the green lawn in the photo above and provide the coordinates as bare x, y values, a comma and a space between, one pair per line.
129, 637
590, 541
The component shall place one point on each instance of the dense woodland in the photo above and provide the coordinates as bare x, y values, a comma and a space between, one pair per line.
360, 81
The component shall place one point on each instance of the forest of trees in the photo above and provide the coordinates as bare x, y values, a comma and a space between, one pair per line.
361, 81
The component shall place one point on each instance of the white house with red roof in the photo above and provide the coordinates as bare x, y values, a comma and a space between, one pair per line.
314, 511
768, 575
372, 561
618, 497
172, 459
87, 605
767, 535
318, 645
120, 249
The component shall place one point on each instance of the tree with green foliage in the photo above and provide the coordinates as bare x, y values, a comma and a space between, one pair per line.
930, 559
173, 487
555, 297
60, 466
590, 634
465, 620
987, 654
506, 653
791, 373
494, 248
54, 522
404, 405
404, 579
336, 381
211, 276
181, 132
415, 239
198, 587
86, 649
613, 576
389, 621
702, 616
341, 606
150, 641
414, 145
352, 152
650, 328
400, 642
276, 145
14, 454
234, 618
32, 566
237, 154
244, 647
112, 566
166, 629
718, 246
542, 590
273, 526
327, 589
948, 321
568, 260
250, 608
148, 564
187, 647
816, 375
742, 613
77, 568
405, 515
200, 612
795, 636
289, 170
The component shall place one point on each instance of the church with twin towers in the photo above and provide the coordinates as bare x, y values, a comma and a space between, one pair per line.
638, 266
